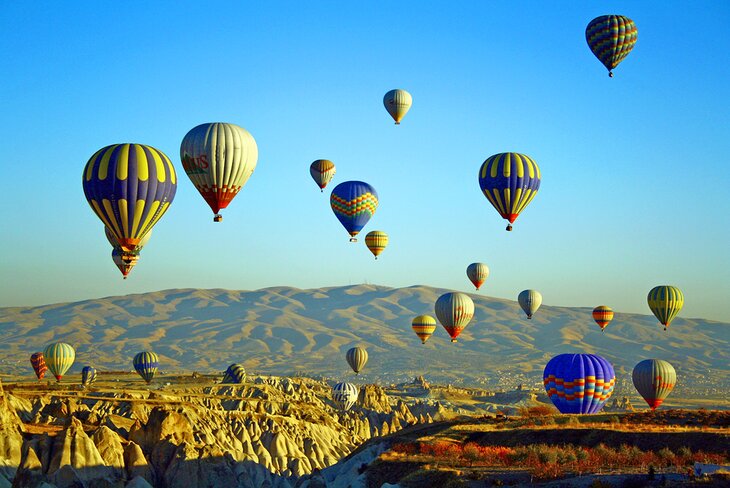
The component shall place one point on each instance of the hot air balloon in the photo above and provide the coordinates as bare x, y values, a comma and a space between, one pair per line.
322, 171
654, 379
129, 187
509, 181
530, 301
146, 363
344, 395
39, 364
219, 158
356, 358
454, 310
88, 376
602, 315
477, 273
397, 103
125, 261
353, 203
611, 38
579, 383
376, 240
665, 303
59, 357
115, 244
235, 374
423, 326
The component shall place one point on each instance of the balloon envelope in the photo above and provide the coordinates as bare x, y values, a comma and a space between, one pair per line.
477, 273
88, 376
397, 102
376, 241
530, 301
235, 374
356, 358
579, 383
219, 158
129, 187
603, 315
509, 181
424, 327
39, 364
353, 203
344, 395
145, 364
654, 379
454, 310
611, 38
665, 303
59, 357
322, 171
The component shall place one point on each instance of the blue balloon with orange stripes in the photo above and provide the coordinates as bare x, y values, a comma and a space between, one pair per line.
353, 203
509, 181
579, 383
129, 187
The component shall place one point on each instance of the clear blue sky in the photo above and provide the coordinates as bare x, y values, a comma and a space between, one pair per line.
635, 168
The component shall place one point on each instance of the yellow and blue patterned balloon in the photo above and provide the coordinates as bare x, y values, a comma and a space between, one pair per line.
129, 187
579, 383
611, 38
353, 203
424, 327
509, 181
146, 363
88, 376
235, 374
322, 171
665, 303
59, 357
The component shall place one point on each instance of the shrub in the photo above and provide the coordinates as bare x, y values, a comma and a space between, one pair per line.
471, 453
666, 455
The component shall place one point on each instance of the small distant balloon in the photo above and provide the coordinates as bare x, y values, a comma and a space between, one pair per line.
219, 158
357, 357
397, 102
344, 395
39, 364
59, 358
603, 315
654, 379
509, 181
235, 374
454, 310
665, 302
354, 203
530, 301
145, 364
477, 273
88, 376
611, 38
322, 171
376, 241
424, 327
579, 383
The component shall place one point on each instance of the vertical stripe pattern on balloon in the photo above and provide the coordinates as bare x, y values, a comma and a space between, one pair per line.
665, 302
129, 187
509, 181
579, 383
59, 358
146, 364
654, 379
611, 38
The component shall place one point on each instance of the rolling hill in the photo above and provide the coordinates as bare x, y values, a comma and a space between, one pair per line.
288, 331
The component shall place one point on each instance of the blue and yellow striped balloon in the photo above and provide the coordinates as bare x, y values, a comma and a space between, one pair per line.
665, 303
129, 187
509, 181
353, 203
146, 363
611, 38
579, 383
59, 357
88, 376
235, 374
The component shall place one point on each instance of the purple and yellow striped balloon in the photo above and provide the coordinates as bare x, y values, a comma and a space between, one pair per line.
579, 383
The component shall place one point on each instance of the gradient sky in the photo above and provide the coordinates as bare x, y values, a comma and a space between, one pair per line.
635, 170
